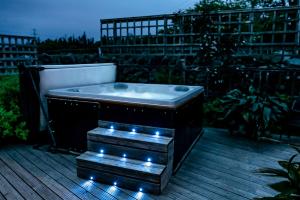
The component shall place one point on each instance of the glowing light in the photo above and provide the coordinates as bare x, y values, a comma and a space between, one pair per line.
111, 190
133, 130
91, 178
157, 133
88, 185
124, 155
111, 128
141, 189
149, 159
115, 183
101, 151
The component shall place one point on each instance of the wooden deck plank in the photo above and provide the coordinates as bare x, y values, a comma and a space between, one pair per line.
71, 183
30, 180
265, 150
253, 159
26, 191
8, 191
92, 188
212, 172
2, 197
209, 188
219, 167
222, 136
71, 160
173, 191
229, 168
51, 183
199, 190
224, 181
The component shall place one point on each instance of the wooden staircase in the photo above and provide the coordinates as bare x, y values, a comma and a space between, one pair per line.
136, 157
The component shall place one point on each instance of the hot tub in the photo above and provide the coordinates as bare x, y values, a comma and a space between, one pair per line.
132, 93
76, 110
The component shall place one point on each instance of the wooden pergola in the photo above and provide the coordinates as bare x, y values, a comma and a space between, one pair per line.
262, 30
15, 49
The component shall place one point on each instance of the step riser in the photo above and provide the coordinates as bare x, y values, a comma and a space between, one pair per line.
142, 129
129, 143
124, 182
119, 171
133, 153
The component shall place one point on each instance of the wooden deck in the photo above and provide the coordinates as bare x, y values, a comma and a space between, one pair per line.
220, 166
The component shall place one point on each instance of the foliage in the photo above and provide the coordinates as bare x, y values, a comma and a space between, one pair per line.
11, 124
218, 50
290, 170
213, 112
213, 5
70, 44
254, 113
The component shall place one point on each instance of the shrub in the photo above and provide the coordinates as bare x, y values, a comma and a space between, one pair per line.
253, 113
11, 124
289, 188
213, 113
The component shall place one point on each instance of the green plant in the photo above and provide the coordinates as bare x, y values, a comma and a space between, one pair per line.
11, 124
290, 170
213, 112
253, 113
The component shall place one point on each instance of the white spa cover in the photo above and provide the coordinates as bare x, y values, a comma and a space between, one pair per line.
62, 76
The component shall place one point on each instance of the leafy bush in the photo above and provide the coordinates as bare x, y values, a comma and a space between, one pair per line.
290, 188
254, 113
11, 124
213, 112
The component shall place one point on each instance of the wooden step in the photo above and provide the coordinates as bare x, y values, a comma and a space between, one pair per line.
128, 173
130, 139
139, 128
131, 152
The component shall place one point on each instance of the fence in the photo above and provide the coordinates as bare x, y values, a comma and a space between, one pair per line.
16, 49
262, 31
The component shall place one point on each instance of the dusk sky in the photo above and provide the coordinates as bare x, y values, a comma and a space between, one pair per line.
59, 18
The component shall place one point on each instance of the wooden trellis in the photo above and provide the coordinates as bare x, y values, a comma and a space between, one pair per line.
15, 49
262, 31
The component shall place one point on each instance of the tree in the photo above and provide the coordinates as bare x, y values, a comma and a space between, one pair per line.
212, 5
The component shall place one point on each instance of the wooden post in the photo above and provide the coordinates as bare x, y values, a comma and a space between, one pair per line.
175, 35
4, 49
101, 31
285, 27
141, 28
239, 28
181, 32
127, 37
149, 32
115, 32
165, 39
134, 33
273, 28
298, 28
192, 35
219, 26
156, 31
251, 19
